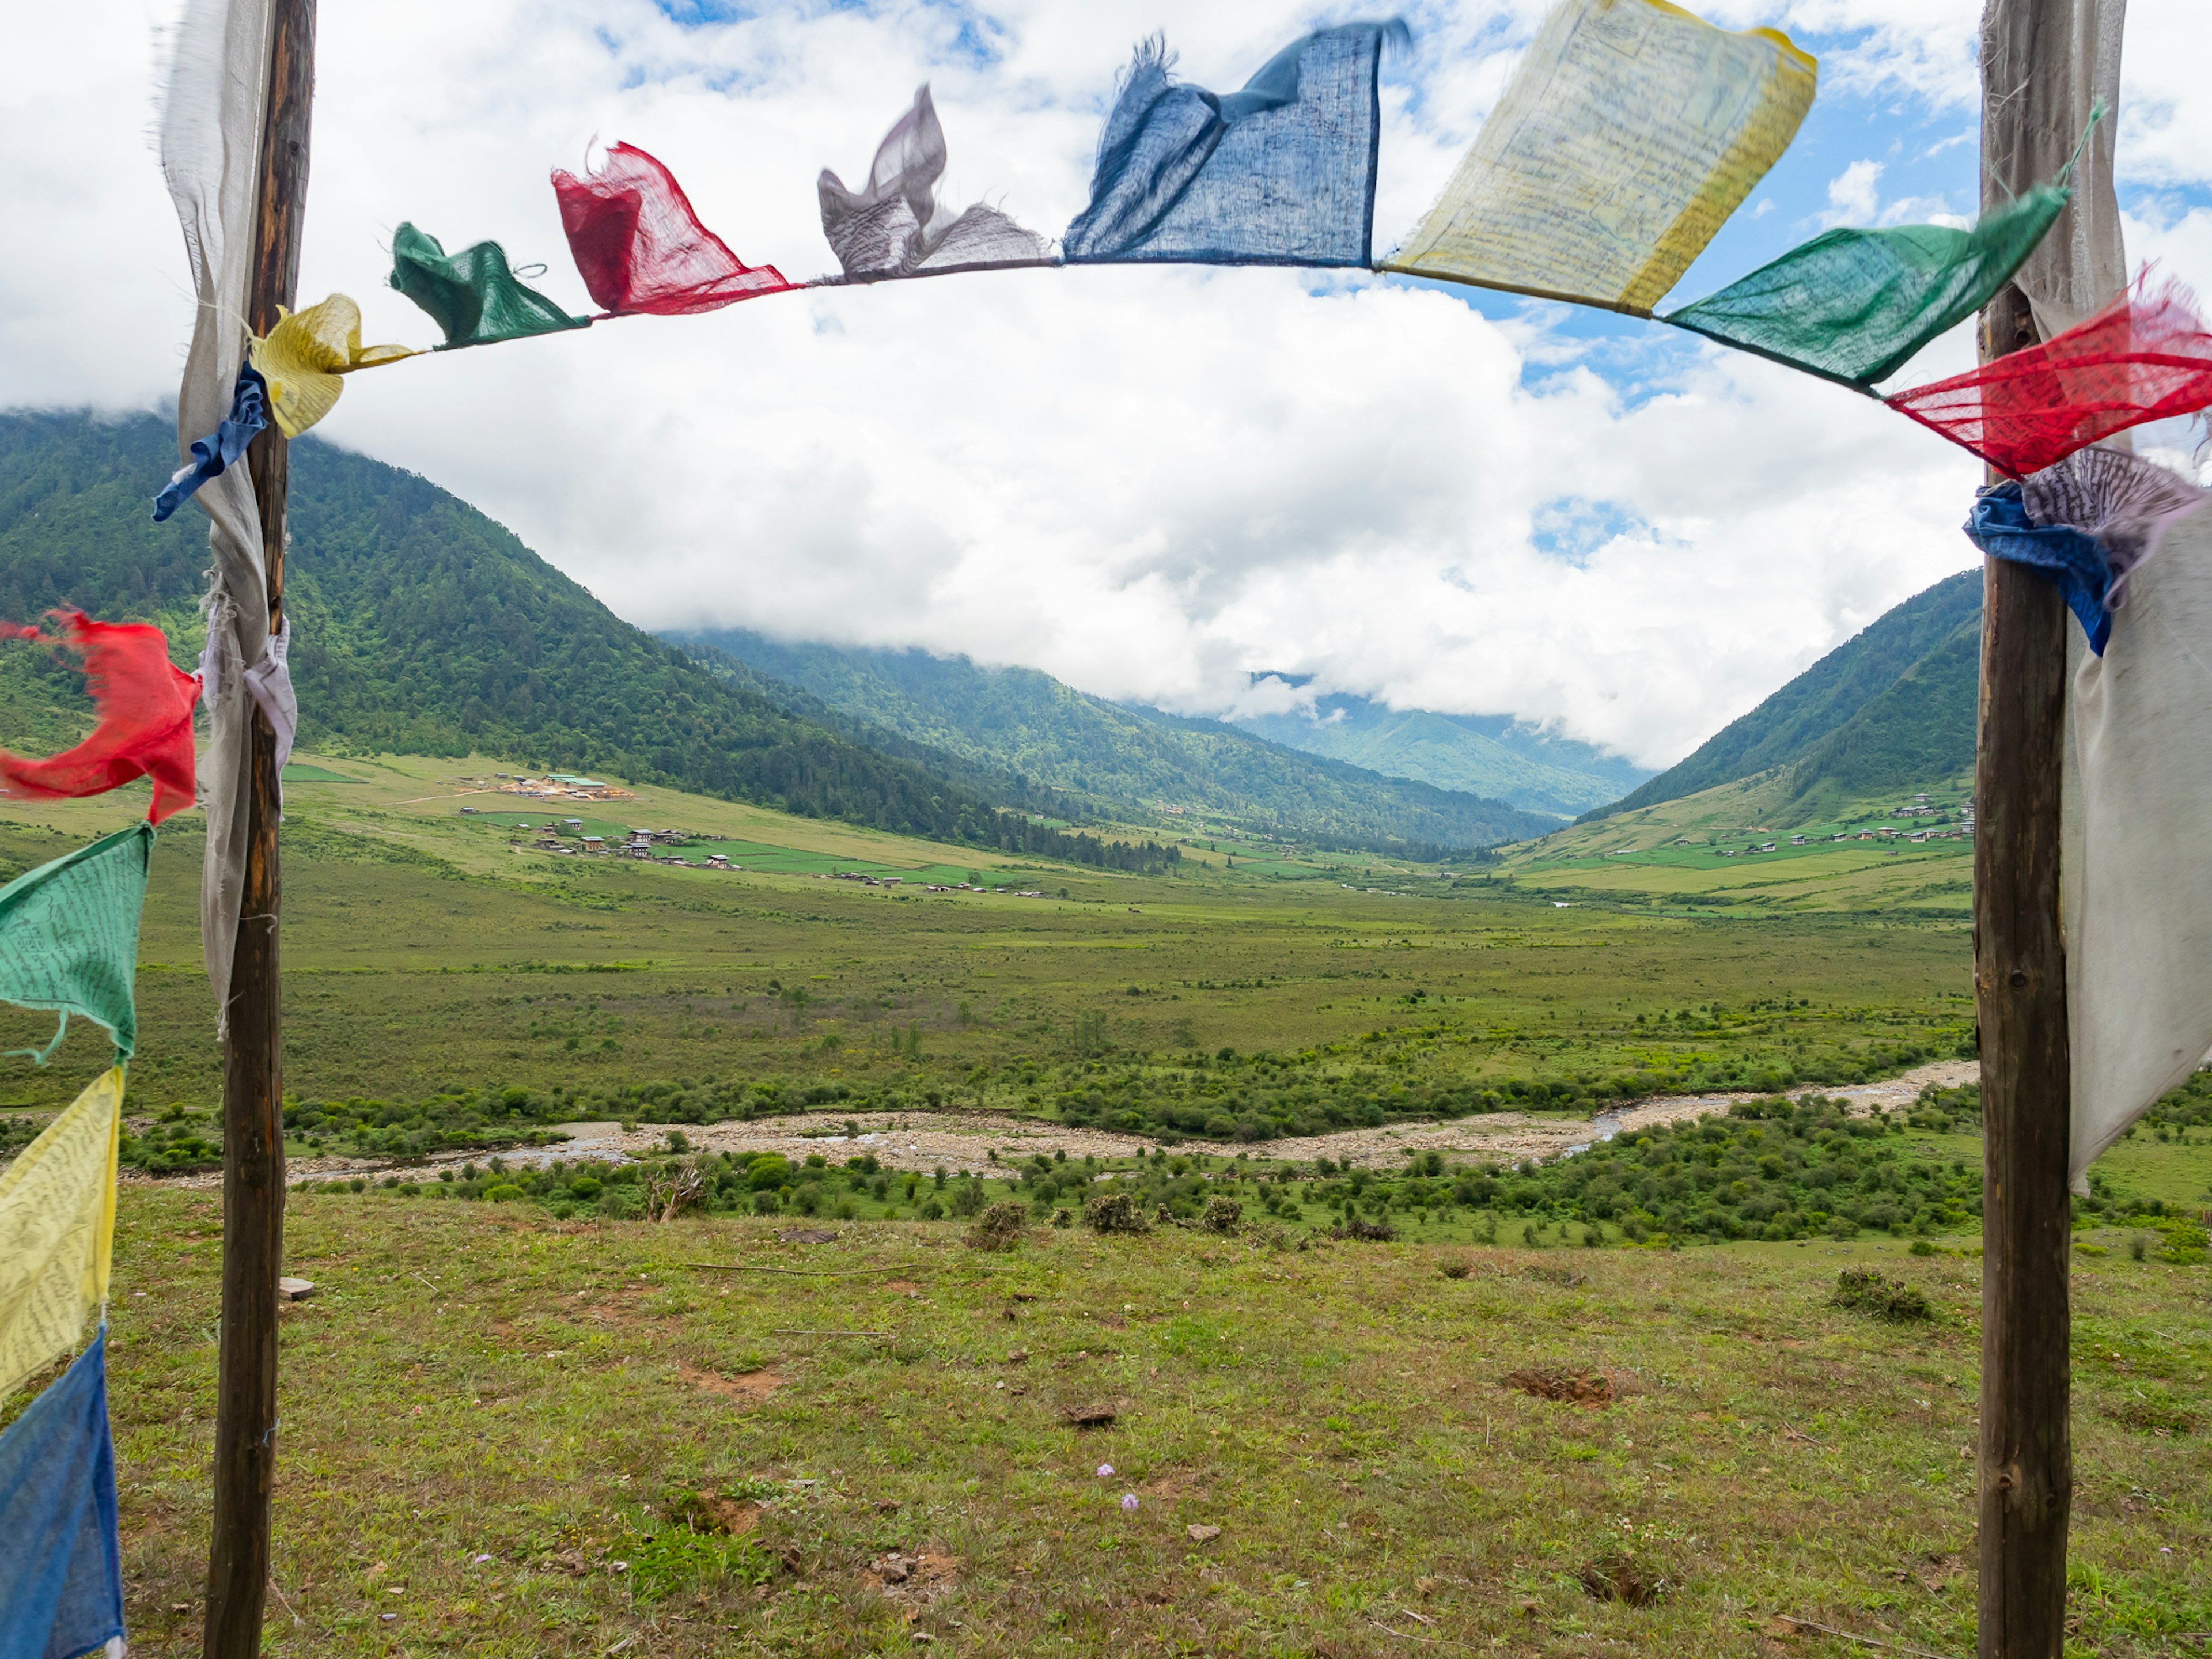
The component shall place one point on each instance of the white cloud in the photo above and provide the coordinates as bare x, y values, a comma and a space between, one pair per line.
1149, 481
1854, 196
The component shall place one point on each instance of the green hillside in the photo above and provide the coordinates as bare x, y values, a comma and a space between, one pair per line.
1881, 711
1479, 754
421, 627
1119, 759
1917, 733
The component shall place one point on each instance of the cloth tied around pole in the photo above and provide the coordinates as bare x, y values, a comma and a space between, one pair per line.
894, 226
1281, 171
217, 453
474, 297
1628, 135
2000, 526
61, 1574
2123, 502
303, 356
641, 249
144, 707
57, 1232
2145, 357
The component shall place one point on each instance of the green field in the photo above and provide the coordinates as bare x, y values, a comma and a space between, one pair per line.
509, 1435
535, 1424
1698, 852
580, 981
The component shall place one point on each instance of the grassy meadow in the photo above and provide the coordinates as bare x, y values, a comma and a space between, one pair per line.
432, 955
540, 1423
509, 1435
1708, 851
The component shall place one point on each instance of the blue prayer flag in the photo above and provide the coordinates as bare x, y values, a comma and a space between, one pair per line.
1282, 172
61, 1568
2000, 527
217, 453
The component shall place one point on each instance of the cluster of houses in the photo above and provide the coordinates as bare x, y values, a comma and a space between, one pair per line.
557, 786
566, 836
930, 887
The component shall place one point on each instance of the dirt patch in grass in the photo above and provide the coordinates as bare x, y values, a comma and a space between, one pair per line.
1592, 1389
1615, 1576
752, 1386
904, 1577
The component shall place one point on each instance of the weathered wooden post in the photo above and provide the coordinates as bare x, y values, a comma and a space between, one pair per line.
253, 1071
2031, 54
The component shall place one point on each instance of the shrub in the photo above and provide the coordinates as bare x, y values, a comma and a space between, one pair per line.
505, 1192
1380, 1231
1113, 1212
1223, 1215
999, 1228
931, 1211
968, 1198
1865, 1290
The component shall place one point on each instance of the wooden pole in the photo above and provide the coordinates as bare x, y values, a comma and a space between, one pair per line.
253, 1070
2026, 1465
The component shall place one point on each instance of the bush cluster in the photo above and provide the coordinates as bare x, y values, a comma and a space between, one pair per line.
768, 1184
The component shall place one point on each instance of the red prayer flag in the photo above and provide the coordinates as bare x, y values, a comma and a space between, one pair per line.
2144, 357
639, 247
145, 708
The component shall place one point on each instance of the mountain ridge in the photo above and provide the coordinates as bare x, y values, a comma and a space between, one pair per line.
422, 626
1882, 710
1494, 755
1121, 758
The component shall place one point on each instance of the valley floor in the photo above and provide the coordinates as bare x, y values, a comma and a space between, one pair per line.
504, 1434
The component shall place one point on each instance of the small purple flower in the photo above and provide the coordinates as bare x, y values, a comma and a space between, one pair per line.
1105, 1471
1129, 1502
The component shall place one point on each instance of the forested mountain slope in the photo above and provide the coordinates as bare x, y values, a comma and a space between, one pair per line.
422, 627
1114, 758
1891, 707
1480, 754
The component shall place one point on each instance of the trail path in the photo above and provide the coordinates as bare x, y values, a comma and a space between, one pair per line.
962, 1141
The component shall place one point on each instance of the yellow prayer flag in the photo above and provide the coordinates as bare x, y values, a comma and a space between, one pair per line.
305, 354
1629, 132
57, 1229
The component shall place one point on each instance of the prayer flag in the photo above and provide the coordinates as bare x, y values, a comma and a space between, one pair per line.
145, 727
474, 296
2137, 793
639, 246
2000, 526
893, 226
61, 1573
305, 354
56, 1227
1280, 173
68, 935
1629, 132
2144, 357
1854, 305
210, 131
2123, 502
217, 453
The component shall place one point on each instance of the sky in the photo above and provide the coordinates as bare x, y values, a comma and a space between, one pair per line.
1155, 483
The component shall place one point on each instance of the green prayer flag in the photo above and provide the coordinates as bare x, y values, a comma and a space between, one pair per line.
1855, 305
474, 296
68, 936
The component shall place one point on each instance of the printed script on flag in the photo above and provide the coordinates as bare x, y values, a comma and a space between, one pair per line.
1626, 137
